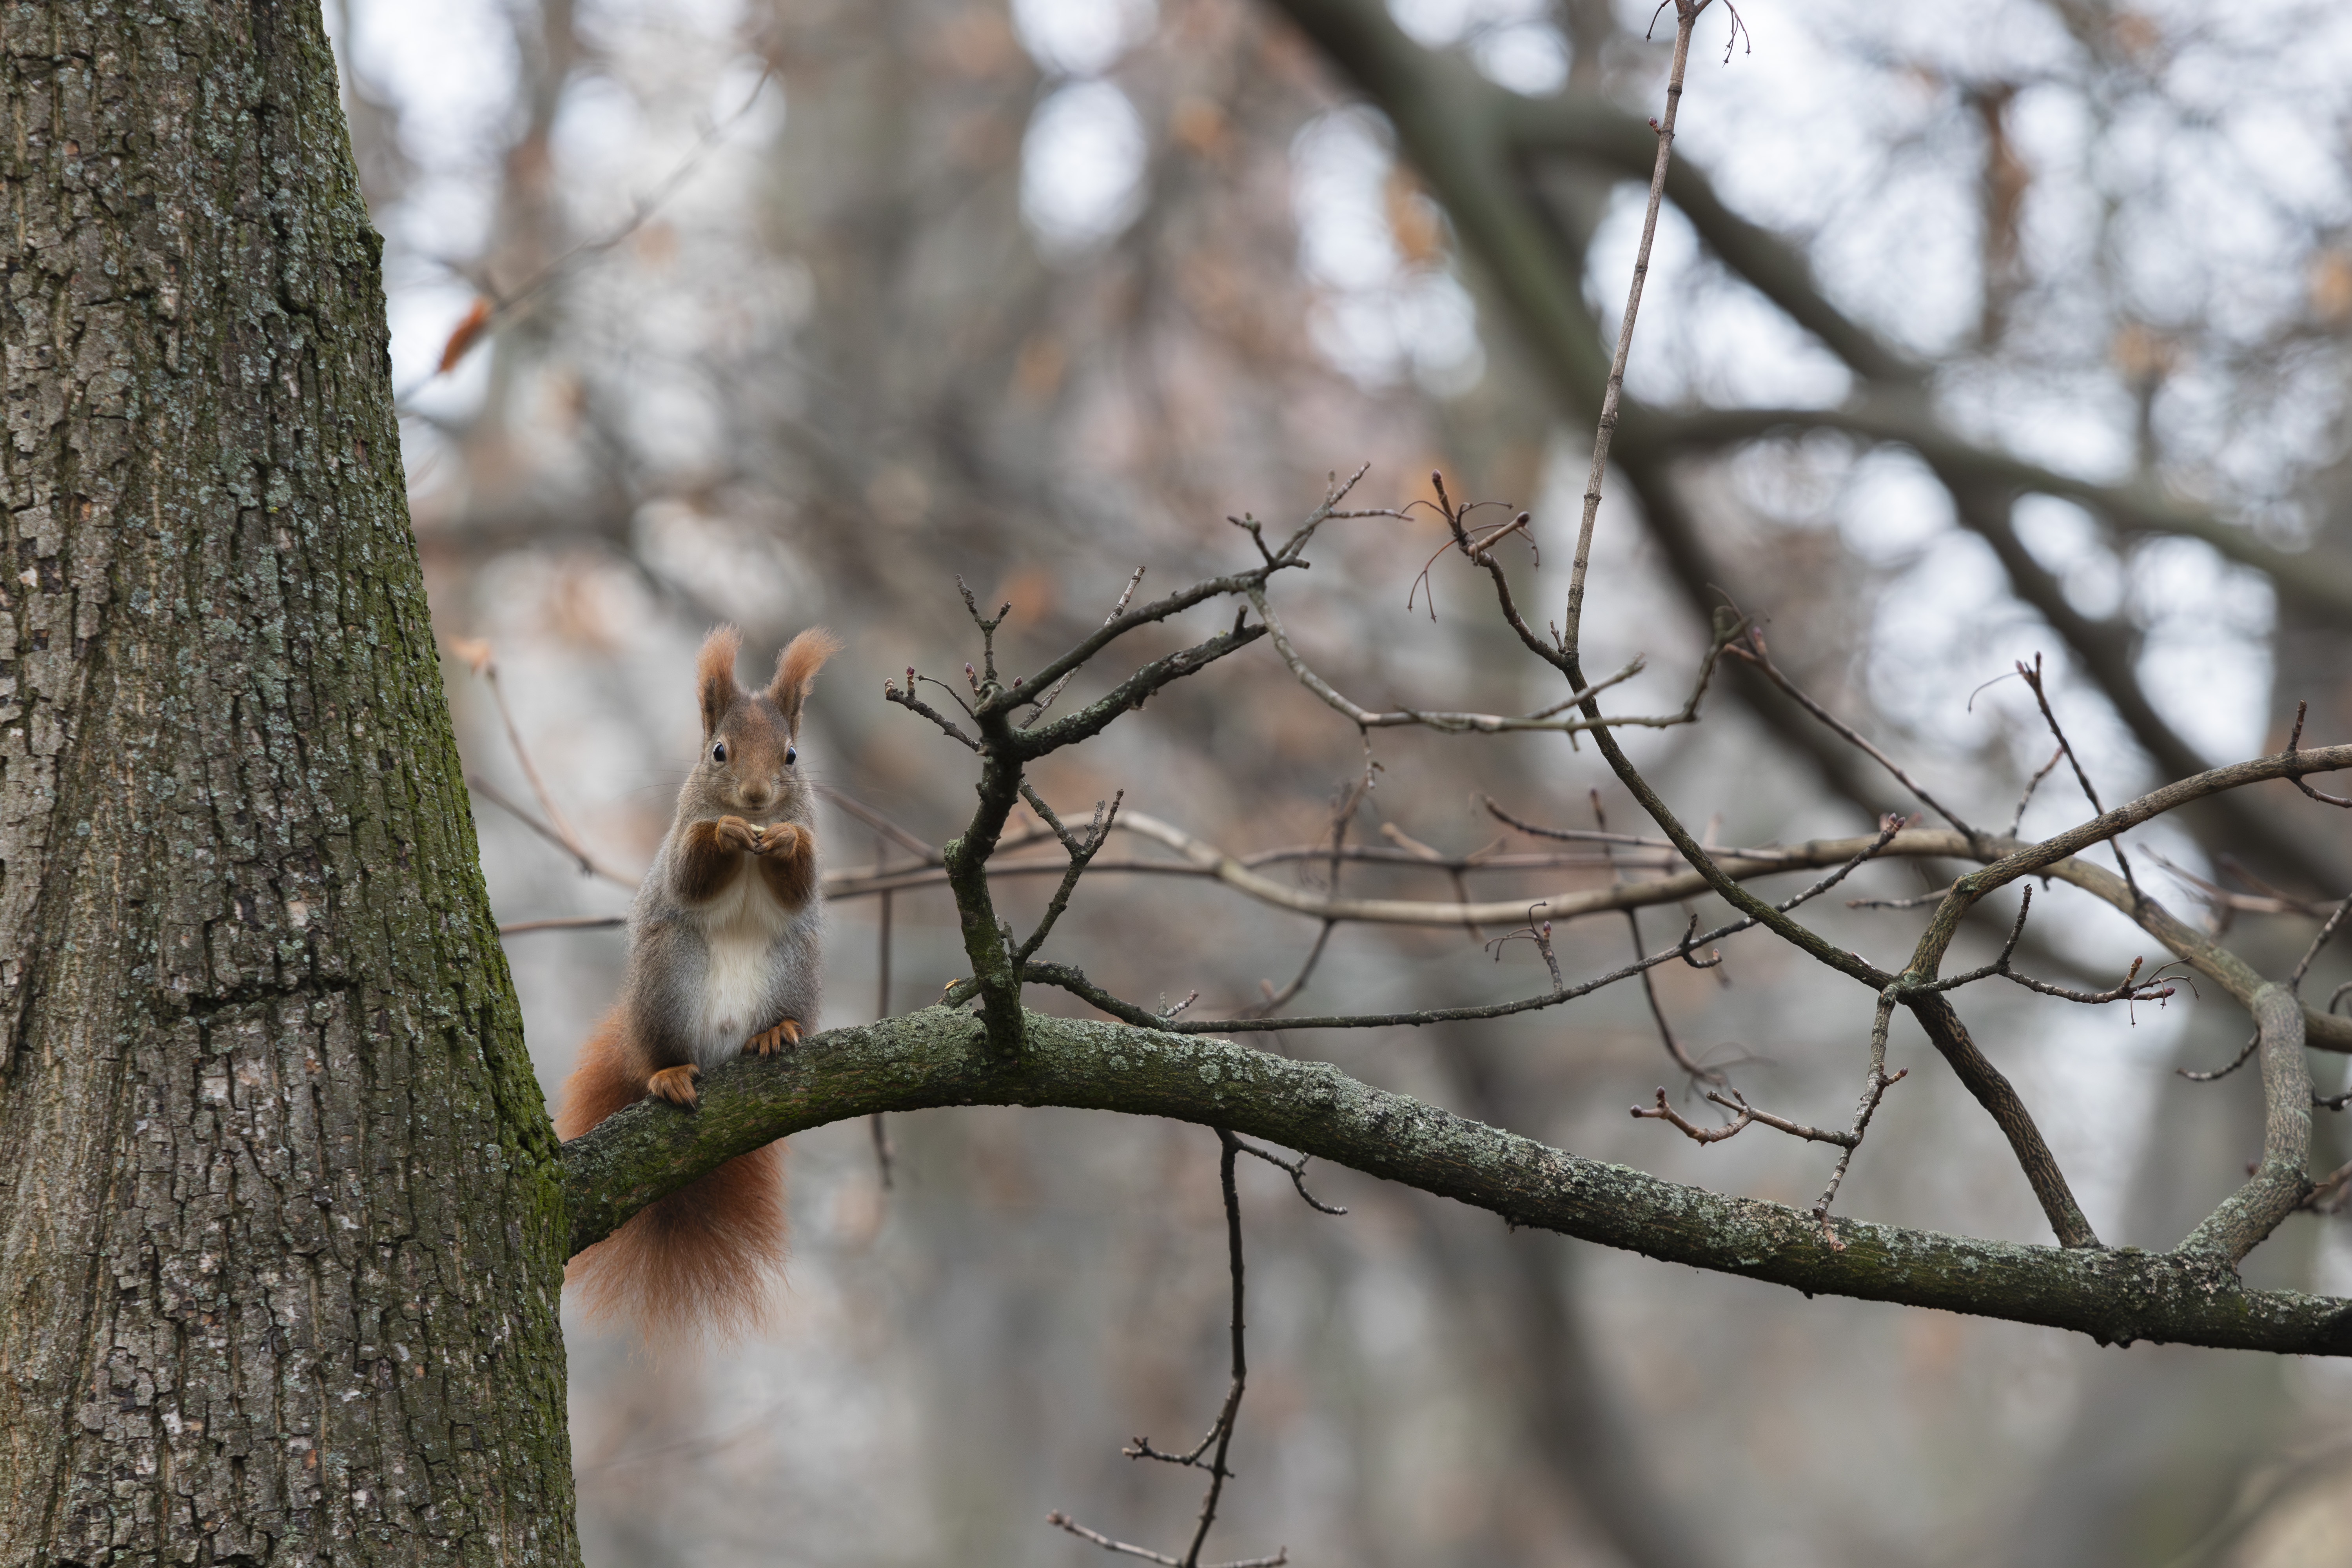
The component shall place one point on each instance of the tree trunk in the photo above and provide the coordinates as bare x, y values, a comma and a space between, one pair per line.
280, 1225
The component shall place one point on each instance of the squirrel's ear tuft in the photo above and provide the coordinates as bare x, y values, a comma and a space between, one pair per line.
714, 674
796, 670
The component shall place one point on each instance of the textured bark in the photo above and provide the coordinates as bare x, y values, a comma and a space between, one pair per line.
280, 1226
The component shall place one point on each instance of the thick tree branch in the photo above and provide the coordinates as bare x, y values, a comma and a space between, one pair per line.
1992, 1090
938, 1057
2282, 1181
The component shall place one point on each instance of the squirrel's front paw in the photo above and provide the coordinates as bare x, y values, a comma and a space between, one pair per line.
675, 1084
734, 833
777, 838
765, 1042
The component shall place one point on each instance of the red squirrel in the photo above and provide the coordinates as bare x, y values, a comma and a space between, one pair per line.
723, 955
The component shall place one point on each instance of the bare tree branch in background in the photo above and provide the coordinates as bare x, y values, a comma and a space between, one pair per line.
1473, 140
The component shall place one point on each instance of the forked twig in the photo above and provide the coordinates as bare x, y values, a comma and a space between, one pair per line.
1220, 1436
1080, 848
1297, 1170
2032, 679
2131, 988
1056, 689
1541, 936
1874, 1085
1735, 1101
2293, 745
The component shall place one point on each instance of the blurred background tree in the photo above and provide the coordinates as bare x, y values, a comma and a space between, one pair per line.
788, 311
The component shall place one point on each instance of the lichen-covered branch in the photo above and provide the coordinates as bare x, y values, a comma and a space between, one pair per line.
938, 1058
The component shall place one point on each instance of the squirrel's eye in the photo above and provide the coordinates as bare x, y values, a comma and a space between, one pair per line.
791, 754
718, 753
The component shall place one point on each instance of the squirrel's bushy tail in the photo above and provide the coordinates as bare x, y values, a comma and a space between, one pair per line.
694, 1262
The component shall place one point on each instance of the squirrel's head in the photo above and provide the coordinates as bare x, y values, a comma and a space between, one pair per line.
749, 751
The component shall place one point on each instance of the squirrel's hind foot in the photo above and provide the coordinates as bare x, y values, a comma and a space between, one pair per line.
674, 1085
765, 1042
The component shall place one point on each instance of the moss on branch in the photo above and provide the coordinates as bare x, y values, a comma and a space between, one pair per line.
938, 1057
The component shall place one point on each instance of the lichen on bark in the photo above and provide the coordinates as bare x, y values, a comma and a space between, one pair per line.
938, 1058
280, 1226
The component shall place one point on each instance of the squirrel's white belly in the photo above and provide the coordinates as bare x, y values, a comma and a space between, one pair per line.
738, 926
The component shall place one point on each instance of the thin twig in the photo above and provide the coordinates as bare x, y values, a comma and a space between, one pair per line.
1229, 1147
1276, 1000
2017, 820
2293, 745
1071, 980
1500, 534
1454, 724
1081, 851
2302, 966
1681, 1058
1297, 1170
2034, 681
1874, 1085
1221, 1434
914, 704
1685, 17
1541, 936
1343, 816
588, 865
1663, 1112
476, 655
1917, 901
2243, 1055
929, 854
1065, 1521
2131, 988
2215, 897
574, 922
1056, 689
2007, 950
1752, 649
